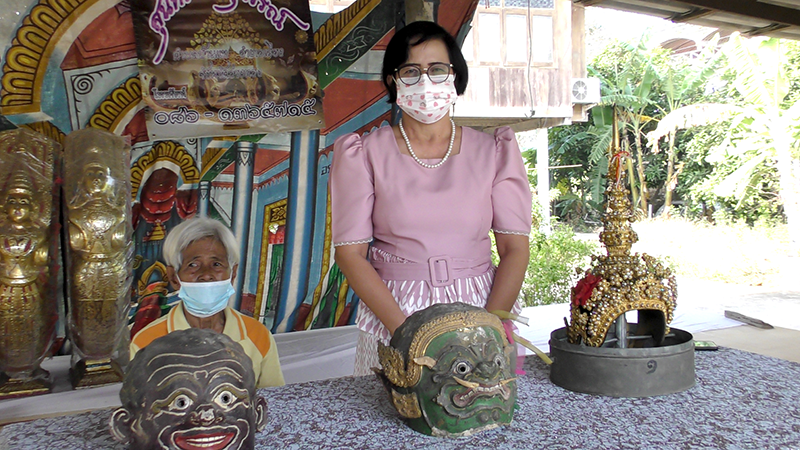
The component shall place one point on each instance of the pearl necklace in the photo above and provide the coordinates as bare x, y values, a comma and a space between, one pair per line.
414, 155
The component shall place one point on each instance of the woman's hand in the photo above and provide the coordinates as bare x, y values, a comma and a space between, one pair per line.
367, 284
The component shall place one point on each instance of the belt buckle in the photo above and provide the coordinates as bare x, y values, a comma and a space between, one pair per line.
435, 265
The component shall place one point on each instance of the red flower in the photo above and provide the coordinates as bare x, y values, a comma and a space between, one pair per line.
583, 290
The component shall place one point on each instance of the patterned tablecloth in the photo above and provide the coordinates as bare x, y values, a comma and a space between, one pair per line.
741, 400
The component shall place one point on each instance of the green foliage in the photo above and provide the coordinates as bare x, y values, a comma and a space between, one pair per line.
792, 70
654, 164
746, 150
580, 171
699, 202
554, 264
730, 169
629, 80
757, 65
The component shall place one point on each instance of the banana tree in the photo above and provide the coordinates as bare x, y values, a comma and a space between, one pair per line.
761, 132
679, 83
596, 139
630, 92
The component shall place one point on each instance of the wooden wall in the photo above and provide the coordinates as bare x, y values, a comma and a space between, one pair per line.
502, 89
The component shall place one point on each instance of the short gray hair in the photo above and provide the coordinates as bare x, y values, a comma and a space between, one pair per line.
194, 229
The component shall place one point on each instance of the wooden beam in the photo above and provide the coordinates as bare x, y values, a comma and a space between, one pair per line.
747, 320
751, 8
693, 13
765, 30
588, 2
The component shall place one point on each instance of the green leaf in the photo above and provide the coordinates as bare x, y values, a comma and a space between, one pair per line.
735, 184
603, 116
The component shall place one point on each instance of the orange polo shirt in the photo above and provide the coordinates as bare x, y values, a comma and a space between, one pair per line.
252, 335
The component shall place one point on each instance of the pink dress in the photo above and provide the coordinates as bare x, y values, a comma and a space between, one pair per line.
429, 228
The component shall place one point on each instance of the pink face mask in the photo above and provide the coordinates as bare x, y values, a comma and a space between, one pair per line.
425, 101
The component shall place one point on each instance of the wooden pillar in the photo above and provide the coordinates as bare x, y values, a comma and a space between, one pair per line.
421, 10
543, 178
414, 10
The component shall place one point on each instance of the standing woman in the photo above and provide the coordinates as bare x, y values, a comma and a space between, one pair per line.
413, 204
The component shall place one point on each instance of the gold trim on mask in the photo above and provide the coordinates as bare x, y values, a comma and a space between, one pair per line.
406, 404
404, 374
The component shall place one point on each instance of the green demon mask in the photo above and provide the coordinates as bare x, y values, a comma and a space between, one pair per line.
190, 390
450, 370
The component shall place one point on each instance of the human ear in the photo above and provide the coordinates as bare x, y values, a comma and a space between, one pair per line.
233, 273
261, 412
120, 425
172, 277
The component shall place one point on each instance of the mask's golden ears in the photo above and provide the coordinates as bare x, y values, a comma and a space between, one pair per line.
426, 361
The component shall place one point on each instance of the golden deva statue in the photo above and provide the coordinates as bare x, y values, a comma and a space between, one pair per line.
28, 308
97, 193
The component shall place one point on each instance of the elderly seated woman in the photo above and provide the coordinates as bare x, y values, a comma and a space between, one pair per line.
202, 257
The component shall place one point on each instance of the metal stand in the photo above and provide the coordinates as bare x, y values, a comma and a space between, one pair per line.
619, 371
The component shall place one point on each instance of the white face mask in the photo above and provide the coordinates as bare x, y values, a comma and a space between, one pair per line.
205, 299
425, 101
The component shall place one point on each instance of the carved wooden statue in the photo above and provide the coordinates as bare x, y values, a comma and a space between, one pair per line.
98, 212
28, 309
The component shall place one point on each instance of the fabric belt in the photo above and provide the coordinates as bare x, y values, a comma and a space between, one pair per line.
440, 270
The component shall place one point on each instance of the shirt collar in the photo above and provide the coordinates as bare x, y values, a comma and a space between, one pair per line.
234, 328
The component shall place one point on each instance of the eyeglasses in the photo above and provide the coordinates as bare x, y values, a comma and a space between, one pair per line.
410, 74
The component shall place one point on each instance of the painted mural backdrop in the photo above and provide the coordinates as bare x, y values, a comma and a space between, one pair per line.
71, 64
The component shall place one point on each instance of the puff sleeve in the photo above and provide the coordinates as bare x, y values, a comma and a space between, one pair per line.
352, 192
511, 192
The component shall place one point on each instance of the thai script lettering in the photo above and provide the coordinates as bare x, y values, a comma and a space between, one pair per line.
213, 54
269, 110
163, 11
169, 94
265, 53
229, 72
203, 53
277, 16
181, 115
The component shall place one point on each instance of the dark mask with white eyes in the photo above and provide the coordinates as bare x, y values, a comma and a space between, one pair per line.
450, 370
192, 389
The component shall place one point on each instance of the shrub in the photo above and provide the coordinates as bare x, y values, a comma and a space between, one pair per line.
554, 264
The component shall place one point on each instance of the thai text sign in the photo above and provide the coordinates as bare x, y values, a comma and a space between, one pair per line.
226, 67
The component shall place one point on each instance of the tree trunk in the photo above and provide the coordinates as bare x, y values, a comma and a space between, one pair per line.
631, 176
632, 181
670, 186
640, 170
